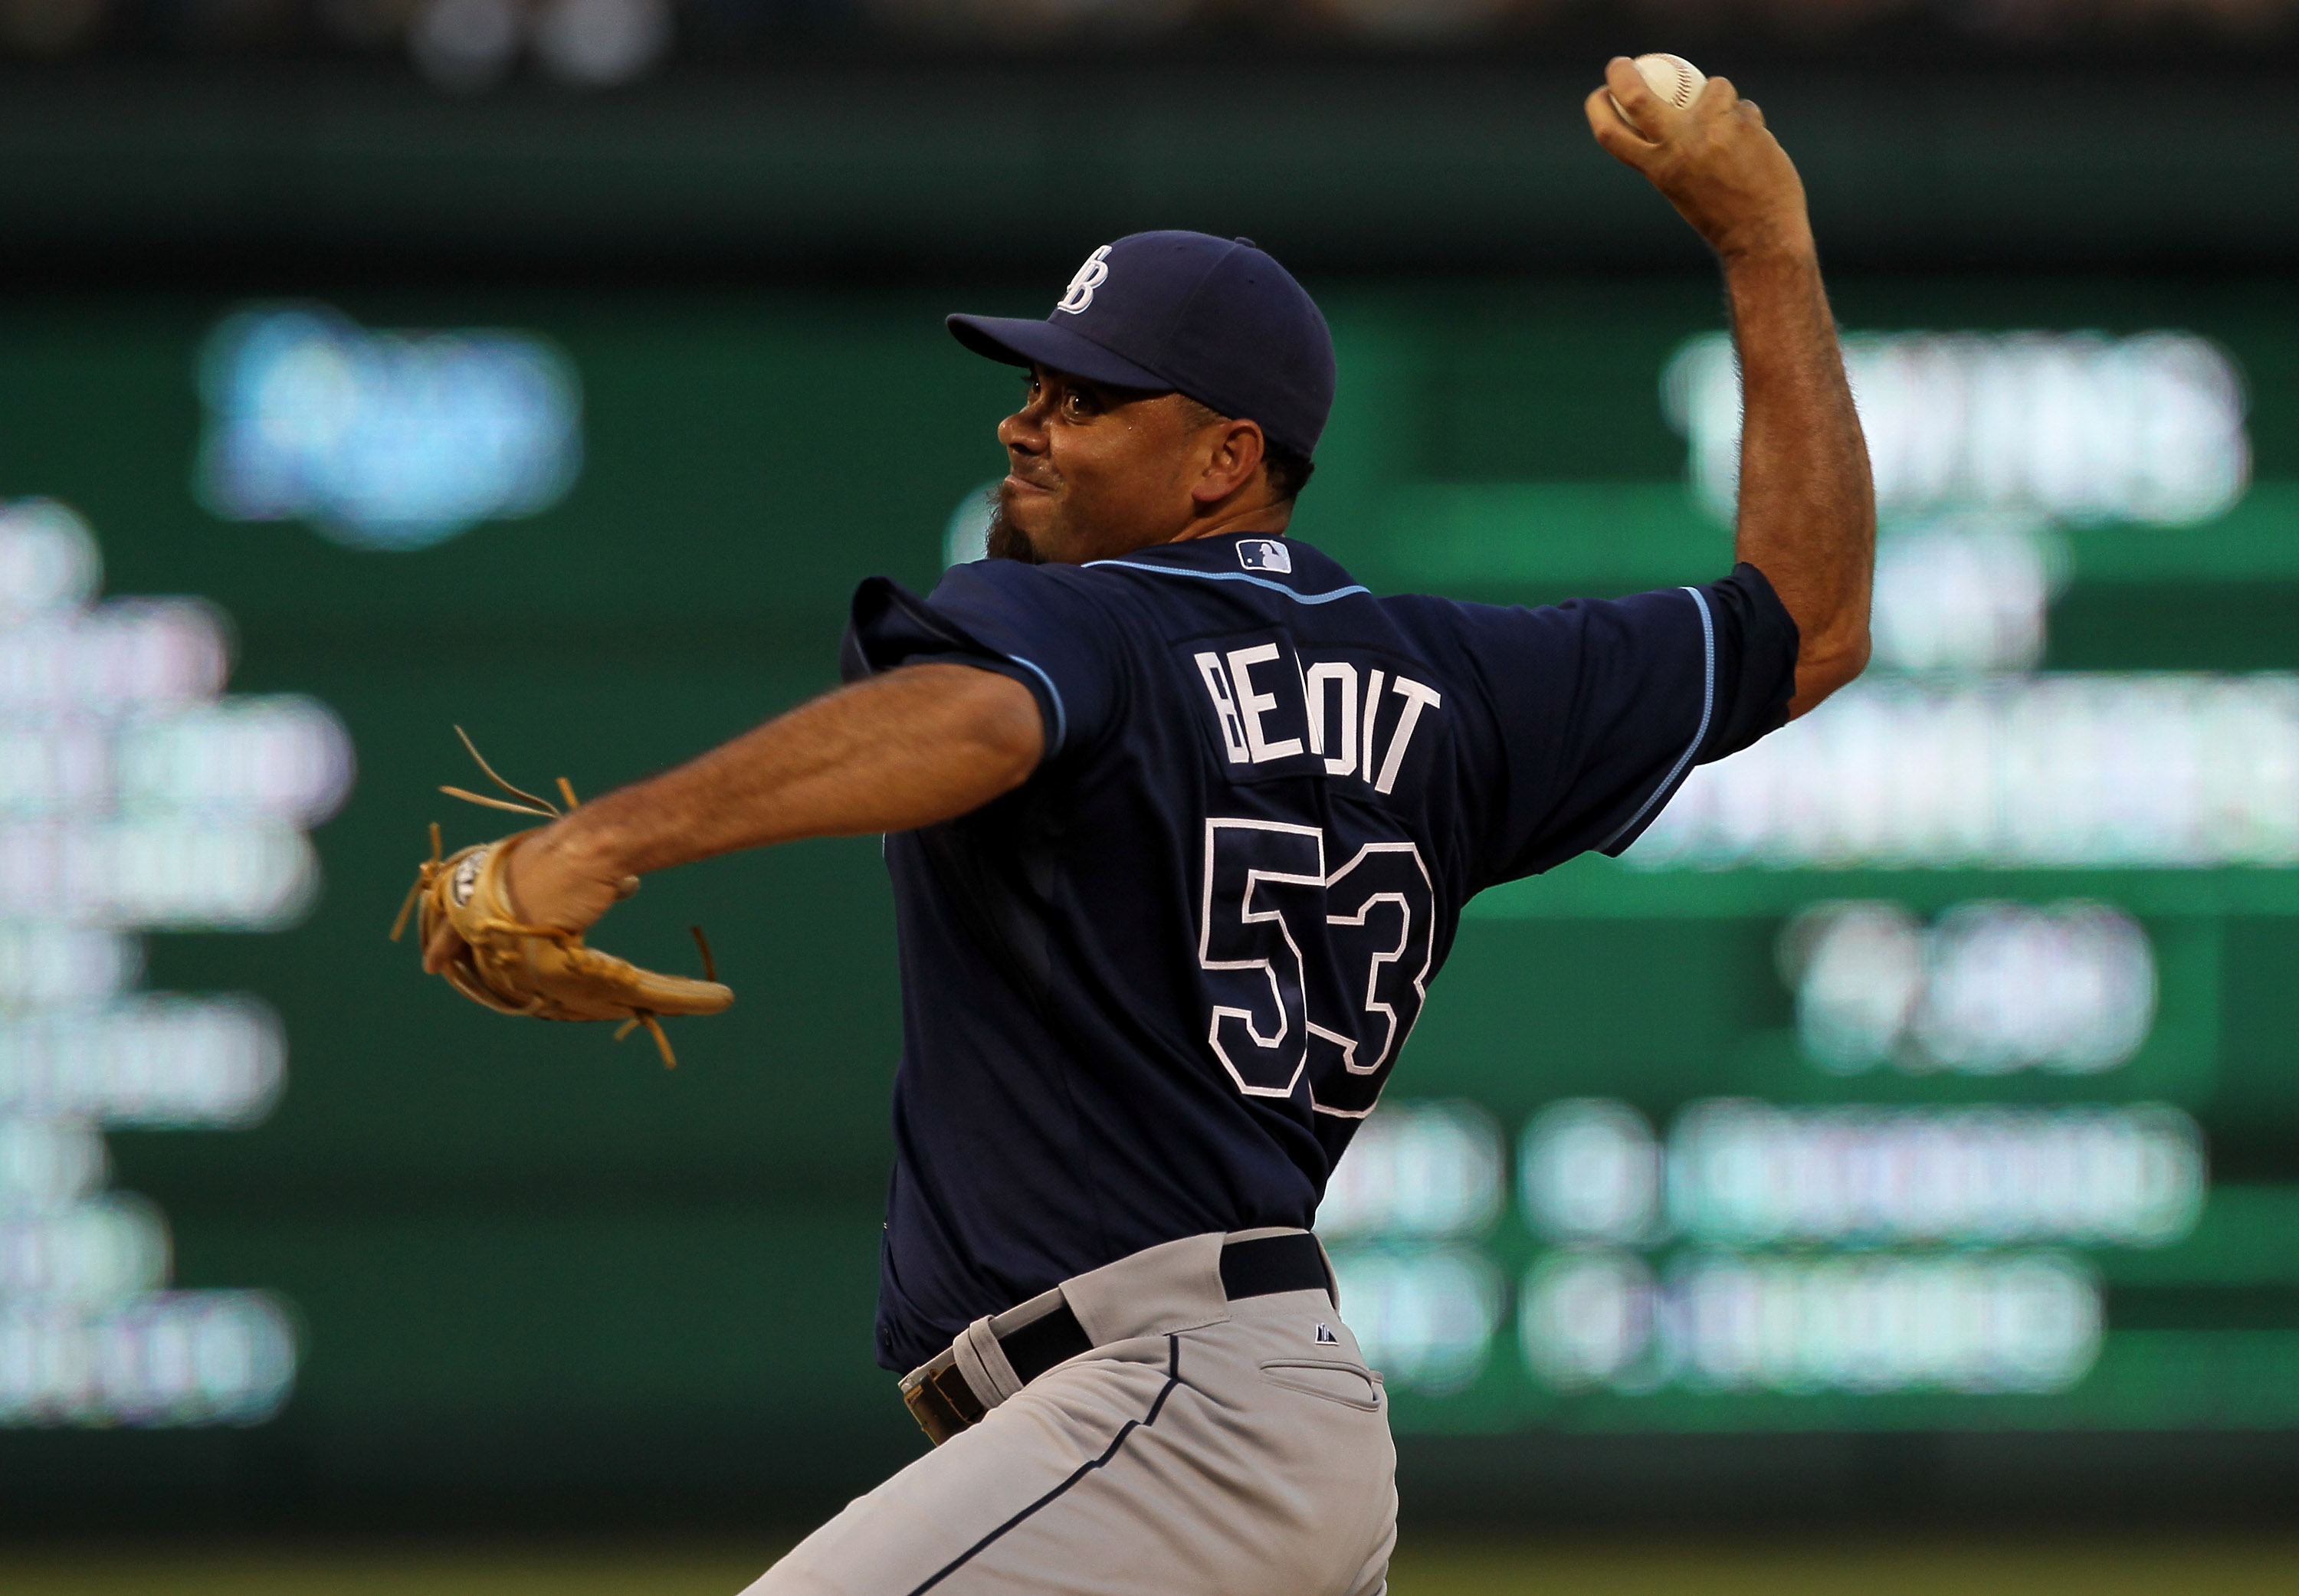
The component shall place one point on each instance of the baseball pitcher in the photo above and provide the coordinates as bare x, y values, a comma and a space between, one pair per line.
1180, 820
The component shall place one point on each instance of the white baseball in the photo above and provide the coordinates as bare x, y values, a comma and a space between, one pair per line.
1673, 77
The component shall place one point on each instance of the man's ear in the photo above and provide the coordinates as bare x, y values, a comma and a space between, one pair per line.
1236, 454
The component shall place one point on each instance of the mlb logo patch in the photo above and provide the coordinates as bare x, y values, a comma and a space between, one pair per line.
1265, 554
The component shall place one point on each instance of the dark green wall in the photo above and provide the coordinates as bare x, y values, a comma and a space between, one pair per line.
534, 1267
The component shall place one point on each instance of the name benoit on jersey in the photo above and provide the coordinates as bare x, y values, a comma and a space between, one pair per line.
1270, 704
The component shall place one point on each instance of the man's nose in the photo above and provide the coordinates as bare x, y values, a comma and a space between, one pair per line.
1020, 431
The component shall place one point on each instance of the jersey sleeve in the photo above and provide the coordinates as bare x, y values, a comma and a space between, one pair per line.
1600, 709
1034, 623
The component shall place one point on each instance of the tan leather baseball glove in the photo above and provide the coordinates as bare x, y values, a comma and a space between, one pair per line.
537, 970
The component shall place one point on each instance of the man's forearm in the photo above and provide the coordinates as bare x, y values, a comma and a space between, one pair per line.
1808, 513
906, 750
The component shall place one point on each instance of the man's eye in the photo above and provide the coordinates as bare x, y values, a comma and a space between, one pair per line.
1076, 403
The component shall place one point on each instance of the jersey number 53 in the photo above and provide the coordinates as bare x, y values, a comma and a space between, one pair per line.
1315, 973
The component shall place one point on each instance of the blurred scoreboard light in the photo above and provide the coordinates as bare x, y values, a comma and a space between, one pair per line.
164, 1359
133, 797
1985, 446
46, 1164
100, 1251
1585, 1318
1739, 1172
966, 536
2081, 427
48, 562
1749, 1173
1965, 594
282, 756
1757, 1246
1419, 1181
130, 653
173, 874
2022, 1322
1588, 1169
1849, 1249
1424, 1317
1986, 988
1975, 1324
383, 440
49, 966
2152, 770
1416, 1169
154, 1061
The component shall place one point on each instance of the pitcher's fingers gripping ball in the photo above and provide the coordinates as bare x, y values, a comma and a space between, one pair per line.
492, 956
1707, 150
1674, 80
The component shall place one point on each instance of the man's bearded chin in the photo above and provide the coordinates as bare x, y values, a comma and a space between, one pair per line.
1009, 541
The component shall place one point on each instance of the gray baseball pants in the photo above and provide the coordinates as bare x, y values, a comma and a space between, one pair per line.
1204, 1447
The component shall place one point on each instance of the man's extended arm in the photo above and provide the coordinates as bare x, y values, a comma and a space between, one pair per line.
1807, 514
918, 744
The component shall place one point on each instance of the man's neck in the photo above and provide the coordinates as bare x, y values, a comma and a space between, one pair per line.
1258, 520
1265, 520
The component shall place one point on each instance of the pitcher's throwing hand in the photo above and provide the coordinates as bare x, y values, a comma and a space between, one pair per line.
1714, 159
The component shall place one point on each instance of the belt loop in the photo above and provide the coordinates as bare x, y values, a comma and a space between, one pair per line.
983, 1362
1174, 1286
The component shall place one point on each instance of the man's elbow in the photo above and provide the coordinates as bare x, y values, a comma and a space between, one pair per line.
1835, 664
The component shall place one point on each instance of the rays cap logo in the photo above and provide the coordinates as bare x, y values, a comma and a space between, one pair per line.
1090, 277
1217, 319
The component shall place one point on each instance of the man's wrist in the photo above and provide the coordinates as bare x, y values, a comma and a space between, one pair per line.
586, 844
1786, 243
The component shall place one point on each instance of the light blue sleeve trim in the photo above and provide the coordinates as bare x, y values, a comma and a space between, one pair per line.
1707, 709
1061, 715
1275, 587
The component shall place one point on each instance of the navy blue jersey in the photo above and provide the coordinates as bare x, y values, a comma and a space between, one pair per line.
1153, 991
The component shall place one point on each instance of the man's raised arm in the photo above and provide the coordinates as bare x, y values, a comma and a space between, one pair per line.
918, 744
1807, 514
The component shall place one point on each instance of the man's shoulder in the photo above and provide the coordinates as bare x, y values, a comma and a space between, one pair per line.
1239, 566
1013, 583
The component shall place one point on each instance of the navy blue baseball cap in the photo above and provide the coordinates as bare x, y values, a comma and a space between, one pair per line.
1215, 318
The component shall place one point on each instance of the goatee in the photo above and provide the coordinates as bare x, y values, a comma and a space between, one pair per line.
1007, 540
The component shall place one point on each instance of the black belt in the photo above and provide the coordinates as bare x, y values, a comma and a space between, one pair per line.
944, 1403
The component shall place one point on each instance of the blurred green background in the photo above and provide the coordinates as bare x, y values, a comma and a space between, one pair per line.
536, 1278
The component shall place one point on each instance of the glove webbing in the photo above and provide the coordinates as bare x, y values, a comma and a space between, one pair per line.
428, 870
